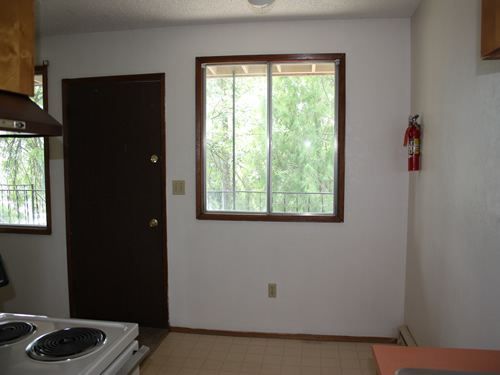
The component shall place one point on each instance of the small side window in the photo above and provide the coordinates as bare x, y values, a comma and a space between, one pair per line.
24, 176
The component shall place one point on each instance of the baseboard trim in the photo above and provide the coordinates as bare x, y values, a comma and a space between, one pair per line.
295, 336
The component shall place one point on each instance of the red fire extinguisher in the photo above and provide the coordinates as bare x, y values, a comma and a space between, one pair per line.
412, 140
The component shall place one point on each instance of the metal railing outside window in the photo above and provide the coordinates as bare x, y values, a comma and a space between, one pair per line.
22, 205
283, 202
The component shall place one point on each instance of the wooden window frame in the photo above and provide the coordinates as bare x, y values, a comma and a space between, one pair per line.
340, 123
26, 229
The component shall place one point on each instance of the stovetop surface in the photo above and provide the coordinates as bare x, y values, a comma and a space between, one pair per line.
15, 361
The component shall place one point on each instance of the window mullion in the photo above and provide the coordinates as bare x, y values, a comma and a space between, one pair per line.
269, 138
234, 140
335, 140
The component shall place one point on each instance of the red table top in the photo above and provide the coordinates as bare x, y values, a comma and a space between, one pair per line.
389, 359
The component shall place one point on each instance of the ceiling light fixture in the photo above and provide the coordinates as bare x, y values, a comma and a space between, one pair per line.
261, 6
260, 3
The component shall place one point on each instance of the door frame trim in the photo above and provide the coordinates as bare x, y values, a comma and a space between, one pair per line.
159, 77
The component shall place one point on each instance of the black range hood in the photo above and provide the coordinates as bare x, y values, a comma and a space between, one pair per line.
21, 117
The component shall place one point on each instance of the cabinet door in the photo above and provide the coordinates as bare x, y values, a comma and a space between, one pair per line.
17, 37
490, 30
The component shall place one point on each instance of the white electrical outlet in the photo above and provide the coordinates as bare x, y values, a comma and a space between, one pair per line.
271, 290
178, 187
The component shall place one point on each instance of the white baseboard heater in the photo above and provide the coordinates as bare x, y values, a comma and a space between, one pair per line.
404, 337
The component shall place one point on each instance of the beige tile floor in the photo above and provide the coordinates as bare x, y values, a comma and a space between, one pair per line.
193, 354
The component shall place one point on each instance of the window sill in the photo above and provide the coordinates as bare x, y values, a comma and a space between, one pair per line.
25, 229
276, 217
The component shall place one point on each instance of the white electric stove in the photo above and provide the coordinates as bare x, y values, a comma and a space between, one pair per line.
40, 345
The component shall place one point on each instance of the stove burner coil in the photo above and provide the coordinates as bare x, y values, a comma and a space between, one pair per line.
65, 344
15, 331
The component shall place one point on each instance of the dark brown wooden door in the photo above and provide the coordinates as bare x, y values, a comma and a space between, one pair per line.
117, 261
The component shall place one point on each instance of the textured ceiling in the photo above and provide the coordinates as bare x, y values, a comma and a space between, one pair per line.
57, 17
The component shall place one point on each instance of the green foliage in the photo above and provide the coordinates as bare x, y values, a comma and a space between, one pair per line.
250, 150
23, 161
302, 161
303, 142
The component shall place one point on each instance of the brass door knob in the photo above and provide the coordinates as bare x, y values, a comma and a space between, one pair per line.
154, 159
153, 223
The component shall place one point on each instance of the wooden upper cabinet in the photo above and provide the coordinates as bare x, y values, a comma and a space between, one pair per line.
490, 30
17, 42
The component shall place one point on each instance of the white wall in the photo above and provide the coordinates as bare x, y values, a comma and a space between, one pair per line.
453, 277
340, 279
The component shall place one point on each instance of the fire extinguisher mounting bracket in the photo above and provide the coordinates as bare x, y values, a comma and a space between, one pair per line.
413, 121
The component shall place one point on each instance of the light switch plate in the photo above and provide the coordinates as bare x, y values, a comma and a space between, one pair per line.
178, 187
271, 290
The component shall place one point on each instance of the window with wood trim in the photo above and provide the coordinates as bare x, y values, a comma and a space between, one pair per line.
24, 175
270, 135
